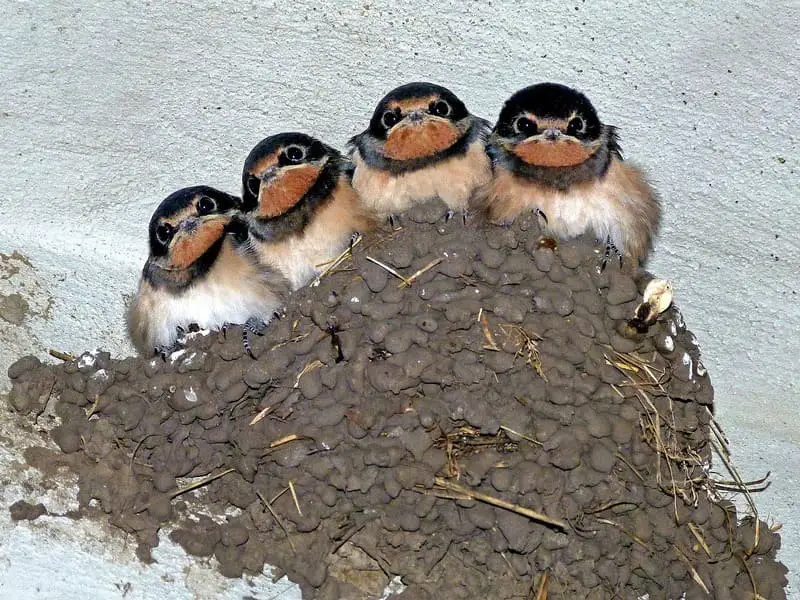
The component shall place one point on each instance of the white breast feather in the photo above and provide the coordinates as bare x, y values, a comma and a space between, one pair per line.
453, 180
210, 305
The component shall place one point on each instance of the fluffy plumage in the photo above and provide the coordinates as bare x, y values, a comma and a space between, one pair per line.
300, 206
551, 153
421, 143
218, 279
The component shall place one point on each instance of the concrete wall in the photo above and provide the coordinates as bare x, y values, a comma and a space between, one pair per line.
105, 109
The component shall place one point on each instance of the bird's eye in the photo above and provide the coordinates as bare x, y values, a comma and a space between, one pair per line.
390, 119
164, 233
526, 126
576, 125
440, 108
295, 153
206, 206
253, 185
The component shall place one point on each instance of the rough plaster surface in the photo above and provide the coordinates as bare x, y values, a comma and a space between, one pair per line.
105, 109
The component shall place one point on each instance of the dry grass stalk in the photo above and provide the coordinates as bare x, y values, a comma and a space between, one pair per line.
418, 274
200, 483
697, 532
520, 435
541, 590
481, 497
335, 262
284, 440
278, 520
91, 410
719, 444
297, 338
294, 497
631, 535
278, 495
261, 414
65, 356
315, 364
695, 575
388, 269
527, 345
491, 344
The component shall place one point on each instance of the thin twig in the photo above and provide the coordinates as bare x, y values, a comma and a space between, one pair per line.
692, 570
476, 495
294, 497
387, 268
333, 263
541, 591
139, 445
65, 356
487, 333
284, 440
262, 413
418, 274
277, 519
200, 483
521, 435
698, 535
315, 364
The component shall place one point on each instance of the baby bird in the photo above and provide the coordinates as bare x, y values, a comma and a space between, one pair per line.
301, 209
552, 155
201, 272
421, 143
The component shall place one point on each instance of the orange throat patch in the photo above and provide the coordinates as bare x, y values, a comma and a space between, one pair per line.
188, 247
286, 190
412, 141
559, 153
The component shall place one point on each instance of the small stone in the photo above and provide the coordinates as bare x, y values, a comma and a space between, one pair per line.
543, 259
623, 289
602, 459
22, 366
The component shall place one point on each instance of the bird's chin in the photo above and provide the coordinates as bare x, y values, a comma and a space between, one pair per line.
556, 153
189, 246
420, 139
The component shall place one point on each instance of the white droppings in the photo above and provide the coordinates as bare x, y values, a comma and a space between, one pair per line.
101, 375
687, 361
355, 300
394, 587
190, 335
669, 343
325, 446
86, 360
191, 395
700, 368
176, 355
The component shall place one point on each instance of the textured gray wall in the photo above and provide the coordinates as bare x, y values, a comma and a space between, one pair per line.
105, 109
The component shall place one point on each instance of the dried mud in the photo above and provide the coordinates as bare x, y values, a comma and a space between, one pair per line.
377, 423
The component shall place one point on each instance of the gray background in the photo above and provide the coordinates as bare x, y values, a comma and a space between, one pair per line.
107, 108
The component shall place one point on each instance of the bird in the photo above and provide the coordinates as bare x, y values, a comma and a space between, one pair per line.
301, 209
552, 154
421, 143
201, 272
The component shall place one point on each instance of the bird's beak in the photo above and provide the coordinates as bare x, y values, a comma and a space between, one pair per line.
194, 237
551, 134
269, 174
415, 116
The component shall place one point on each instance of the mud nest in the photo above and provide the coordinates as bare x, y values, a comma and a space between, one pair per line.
458, 406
